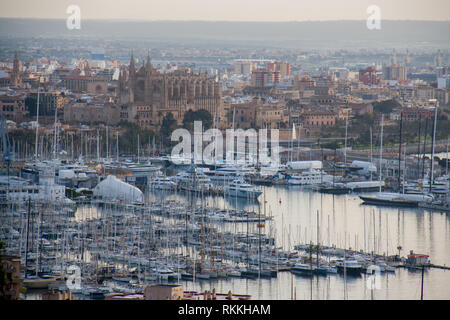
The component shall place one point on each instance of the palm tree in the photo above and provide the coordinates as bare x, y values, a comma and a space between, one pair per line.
311, 249
399, 248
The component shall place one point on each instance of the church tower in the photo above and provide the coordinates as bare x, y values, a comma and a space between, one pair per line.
16, 80
148, 65
132, 78
148, 80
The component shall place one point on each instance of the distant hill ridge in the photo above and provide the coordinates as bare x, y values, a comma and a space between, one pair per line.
337, 34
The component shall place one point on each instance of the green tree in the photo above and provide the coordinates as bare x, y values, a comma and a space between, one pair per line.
199, 115
128, 139
168, 125
333, 145
399, 248
385, 106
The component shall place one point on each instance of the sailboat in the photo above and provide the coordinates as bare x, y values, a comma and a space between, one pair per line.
393, 198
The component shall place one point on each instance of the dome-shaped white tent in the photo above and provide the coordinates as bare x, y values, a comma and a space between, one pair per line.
113, 188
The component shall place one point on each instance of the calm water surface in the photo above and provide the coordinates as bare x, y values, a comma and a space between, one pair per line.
301, 215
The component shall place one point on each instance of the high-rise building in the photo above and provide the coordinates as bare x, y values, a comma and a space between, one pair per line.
394, 72
368, 76
244, 66
264, 77
442, 71
443, 82
283, 68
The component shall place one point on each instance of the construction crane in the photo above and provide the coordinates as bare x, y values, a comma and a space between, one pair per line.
7, 150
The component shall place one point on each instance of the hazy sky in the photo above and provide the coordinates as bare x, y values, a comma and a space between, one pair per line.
229, 10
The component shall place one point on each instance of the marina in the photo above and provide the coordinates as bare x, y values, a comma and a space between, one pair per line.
205, 240
121, 227
171, 227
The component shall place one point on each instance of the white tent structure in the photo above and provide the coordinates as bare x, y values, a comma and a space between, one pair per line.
304, 165
115, 189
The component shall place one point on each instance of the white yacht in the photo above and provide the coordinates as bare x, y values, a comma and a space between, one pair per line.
351, 266
242, 189
309, 177
360, 186
439, 186
162, 183
227, 174
302, 268
193, 180
165, 274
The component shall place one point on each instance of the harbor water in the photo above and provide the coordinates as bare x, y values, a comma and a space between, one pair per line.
342, 221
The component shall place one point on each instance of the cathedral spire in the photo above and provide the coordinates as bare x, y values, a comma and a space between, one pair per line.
149, 63
132, 66
121, 80
15, 75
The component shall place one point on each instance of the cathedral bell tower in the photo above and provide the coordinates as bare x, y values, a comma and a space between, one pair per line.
132, 78
148, 81
16, 80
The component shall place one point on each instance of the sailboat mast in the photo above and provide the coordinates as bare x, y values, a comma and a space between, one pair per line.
381, 150
424, 147
28, 231
107, 143
400, 148
98, 147
37, 122
54, 136
318, 240
418, 146
404, 168
345, 147
234, 113
371, 152
421, 287
153, 146
432, 144
117, 146
446, 160
138, 149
